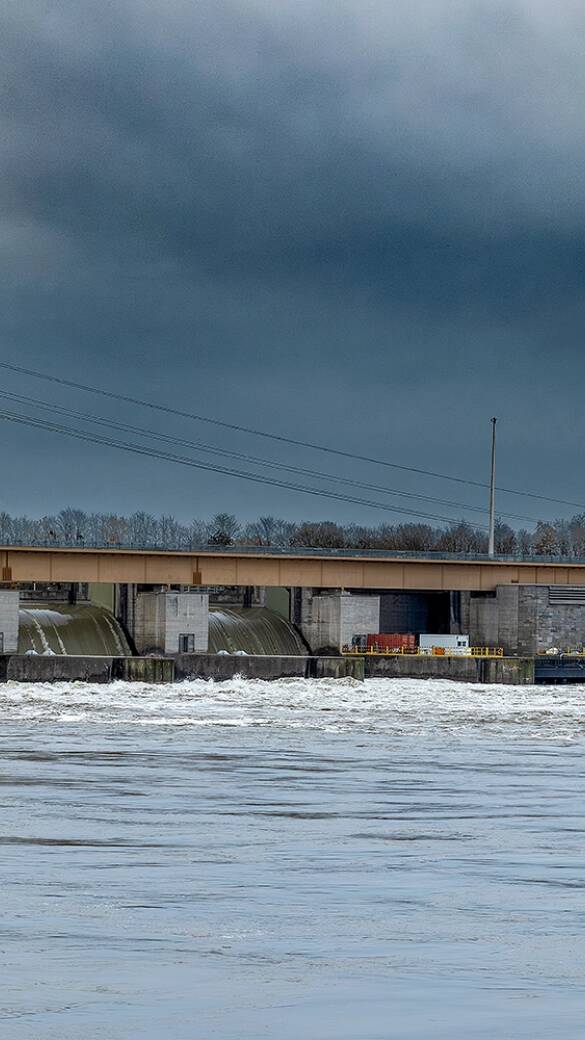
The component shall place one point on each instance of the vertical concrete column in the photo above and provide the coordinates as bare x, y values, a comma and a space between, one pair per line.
459, 610
296, 611
148, 627
171, 622
527, 620
483, 621
330, 622
124, 602
508, 601
359, 615
9, 604
187, 622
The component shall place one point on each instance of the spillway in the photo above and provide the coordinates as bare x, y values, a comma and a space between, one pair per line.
83, 629
87, 629
257, 630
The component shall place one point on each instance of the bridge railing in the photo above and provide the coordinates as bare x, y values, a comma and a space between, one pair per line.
294, 550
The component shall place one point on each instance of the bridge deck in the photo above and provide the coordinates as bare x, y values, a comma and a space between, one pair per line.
319, 568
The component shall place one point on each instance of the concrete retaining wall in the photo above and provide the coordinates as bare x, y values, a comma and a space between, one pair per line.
144, 669
515, 671
560, 670
31, 669
511, 670
224, 666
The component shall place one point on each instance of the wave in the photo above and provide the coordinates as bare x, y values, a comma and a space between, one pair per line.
376, 706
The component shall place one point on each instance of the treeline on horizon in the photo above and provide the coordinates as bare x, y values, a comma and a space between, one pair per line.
74, 527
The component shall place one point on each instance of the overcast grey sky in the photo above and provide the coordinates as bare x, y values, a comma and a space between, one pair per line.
360, 223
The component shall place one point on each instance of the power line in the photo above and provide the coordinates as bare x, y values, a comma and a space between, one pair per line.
192, 463
273, 436
198, 445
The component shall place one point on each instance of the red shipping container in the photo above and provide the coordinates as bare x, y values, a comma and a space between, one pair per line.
391, 641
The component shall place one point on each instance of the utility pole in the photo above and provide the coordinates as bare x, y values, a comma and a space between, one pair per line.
492, 519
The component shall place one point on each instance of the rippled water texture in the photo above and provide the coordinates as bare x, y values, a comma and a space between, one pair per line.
303, 859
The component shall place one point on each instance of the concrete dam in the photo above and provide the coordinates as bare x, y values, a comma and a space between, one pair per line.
104, 632
257, 630
90, 630
79, 629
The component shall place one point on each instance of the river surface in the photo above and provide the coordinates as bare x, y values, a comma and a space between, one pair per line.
302, 859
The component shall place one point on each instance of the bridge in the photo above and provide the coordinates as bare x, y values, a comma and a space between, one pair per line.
269, 566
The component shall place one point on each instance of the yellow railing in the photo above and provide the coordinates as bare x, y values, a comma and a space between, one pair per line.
486, 651
435, 651
382, 651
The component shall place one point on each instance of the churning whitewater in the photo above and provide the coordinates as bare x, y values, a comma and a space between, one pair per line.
376, 707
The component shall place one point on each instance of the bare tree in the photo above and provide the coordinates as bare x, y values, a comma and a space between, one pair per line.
170, 534
577, 535
324, 534
24, 530
6, 528
269, 530
359, 537
524, 542
462, 537
416, 537
197, 534
563, 532
49, 532
223, 529
142, 530
506, 541
545, 541
113, 529
75, 527
387, 537
72, 526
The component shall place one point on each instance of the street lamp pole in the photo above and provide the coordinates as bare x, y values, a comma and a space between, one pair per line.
492, 517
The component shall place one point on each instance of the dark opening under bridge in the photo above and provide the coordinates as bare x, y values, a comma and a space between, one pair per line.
317, 568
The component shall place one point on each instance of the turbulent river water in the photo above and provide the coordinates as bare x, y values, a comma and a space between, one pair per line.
303, 859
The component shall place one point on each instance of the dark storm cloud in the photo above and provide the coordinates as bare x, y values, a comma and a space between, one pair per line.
244, 193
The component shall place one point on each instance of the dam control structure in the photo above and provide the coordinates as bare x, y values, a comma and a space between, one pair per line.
279, 603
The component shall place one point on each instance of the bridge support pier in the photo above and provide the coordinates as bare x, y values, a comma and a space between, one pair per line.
9, 604
329, 621
171, 622
528, 619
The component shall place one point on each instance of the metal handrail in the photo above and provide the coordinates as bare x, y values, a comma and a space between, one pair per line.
295, 550
405, 651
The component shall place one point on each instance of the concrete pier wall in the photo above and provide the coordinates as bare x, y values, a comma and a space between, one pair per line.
224, 666
528, 619
329, 621
30, 669
163, 620
509, 670
36, 668
9, 605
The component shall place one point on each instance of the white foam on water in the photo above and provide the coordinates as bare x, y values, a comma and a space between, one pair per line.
328, 705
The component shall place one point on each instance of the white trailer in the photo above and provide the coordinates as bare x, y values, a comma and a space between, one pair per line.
454, 644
